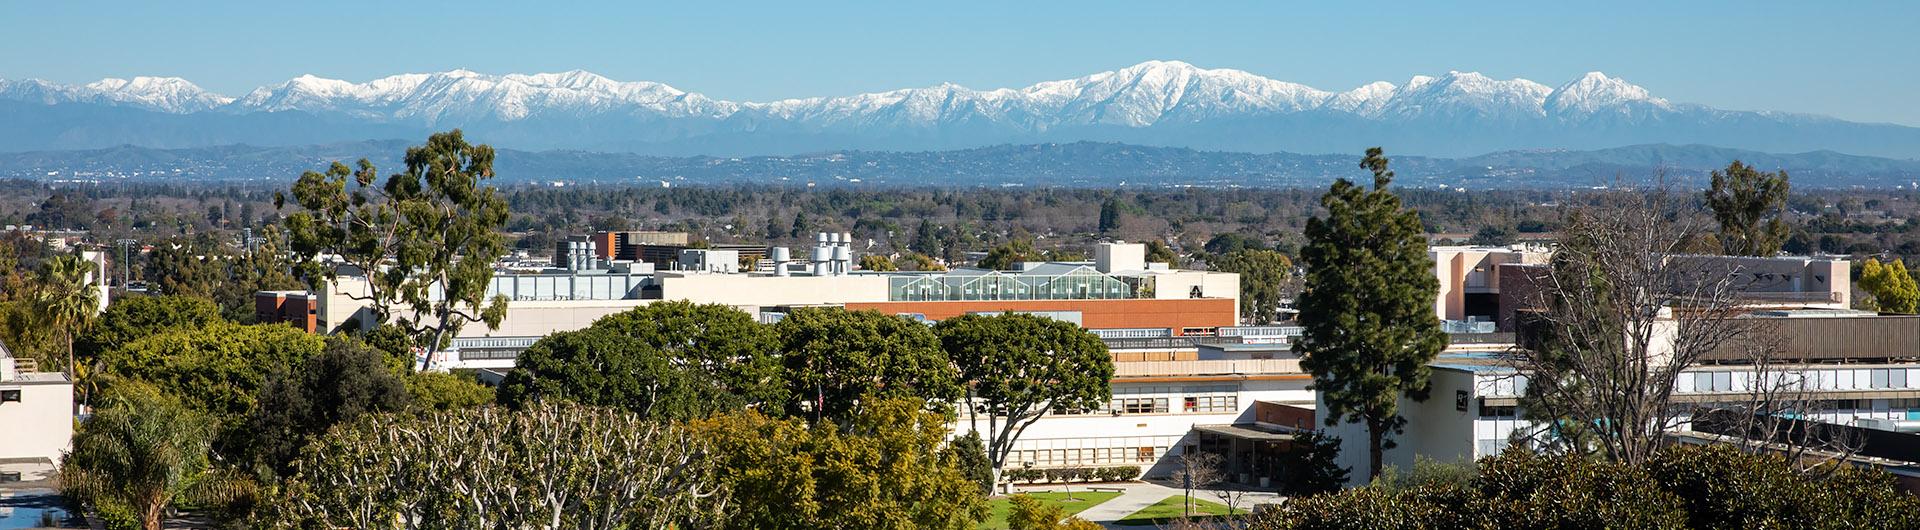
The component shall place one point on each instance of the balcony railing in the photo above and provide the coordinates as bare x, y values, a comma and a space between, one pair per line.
1194, 368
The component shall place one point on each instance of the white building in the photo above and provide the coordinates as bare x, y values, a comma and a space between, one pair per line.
36, 417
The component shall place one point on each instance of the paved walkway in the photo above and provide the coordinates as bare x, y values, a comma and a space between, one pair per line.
1135, 496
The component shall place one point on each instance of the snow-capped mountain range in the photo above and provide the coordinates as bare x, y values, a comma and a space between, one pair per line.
1157, 102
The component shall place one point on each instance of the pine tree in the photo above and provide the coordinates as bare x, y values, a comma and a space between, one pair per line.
1109, 215
1748, 204
926, 240
1368, 307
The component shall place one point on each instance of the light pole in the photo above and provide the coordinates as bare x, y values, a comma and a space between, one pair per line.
124, 260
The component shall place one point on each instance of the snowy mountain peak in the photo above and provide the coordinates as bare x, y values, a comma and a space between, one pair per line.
1141, 95
1595, 92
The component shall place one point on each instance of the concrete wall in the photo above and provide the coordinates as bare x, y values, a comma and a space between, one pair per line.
41, 424
538, 318
750, 293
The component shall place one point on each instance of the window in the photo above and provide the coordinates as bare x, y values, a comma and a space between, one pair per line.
1145, 455
1205, 404
1713, 381
9, 396
1497, 412
1142, 405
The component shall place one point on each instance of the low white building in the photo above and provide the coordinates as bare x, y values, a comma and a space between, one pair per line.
1158, 412
36, 416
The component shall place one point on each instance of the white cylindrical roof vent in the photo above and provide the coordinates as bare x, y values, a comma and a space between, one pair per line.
821, 237
846, 238
822, 254
842, 254
779, 255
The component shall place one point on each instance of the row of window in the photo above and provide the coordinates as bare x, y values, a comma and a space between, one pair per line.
1876, 378
1085, 456
1204, 404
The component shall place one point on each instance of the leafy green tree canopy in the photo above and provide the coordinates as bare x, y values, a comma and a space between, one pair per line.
1009, 255
1893, 288
1019, 367
883, 468
1264, 275
218, 369
135, 318
664, 360
346, 381
836, 358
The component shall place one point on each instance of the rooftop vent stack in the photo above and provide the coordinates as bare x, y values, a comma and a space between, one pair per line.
822, 256
780, 257
842, 261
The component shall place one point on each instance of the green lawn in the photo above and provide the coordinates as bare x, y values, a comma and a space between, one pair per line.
997, 519
1169, 508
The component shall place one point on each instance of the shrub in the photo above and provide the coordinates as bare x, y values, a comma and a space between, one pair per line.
1073, 474
1682, 487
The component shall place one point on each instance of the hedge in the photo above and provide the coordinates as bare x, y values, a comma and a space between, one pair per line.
1073, 474
1682, 487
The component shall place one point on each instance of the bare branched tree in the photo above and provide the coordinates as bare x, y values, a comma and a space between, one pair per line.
1198, 471
549, 467
1620, 314
1776, 411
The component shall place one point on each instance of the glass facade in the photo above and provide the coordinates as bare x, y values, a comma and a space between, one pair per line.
1077, 283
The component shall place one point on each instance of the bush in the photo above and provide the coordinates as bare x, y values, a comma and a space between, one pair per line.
1723, 487
1073, 474
1682, 487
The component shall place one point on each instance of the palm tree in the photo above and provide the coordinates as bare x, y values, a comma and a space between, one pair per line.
67, 298
140, 454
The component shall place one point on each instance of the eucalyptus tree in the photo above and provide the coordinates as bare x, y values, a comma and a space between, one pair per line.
426, 239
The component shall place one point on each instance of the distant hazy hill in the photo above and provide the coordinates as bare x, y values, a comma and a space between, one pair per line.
1074, 164
1161, 103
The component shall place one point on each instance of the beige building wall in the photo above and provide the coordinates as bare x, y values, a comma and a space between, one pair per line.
750, 293
1463, 270
1178, 284
537, 319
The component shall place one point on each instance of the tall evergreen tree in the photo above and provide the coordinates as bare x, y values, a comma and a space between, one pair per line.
1368, 307
1109, 215
1749, 205
926, 240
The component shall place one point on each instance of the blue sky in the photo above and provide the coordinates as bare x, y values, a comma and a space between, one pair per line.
1854, 60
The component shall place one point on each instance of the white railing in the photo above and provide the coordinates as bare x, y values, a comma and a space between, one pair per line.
1261, 331
1222, 367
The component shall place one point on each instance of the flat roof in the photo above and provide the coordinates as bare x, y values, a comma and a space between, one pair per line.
36, 378
1245, 431
1474, 361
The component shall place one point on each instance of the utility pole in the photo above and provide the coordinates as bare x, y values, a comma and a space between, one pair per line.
124, 261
